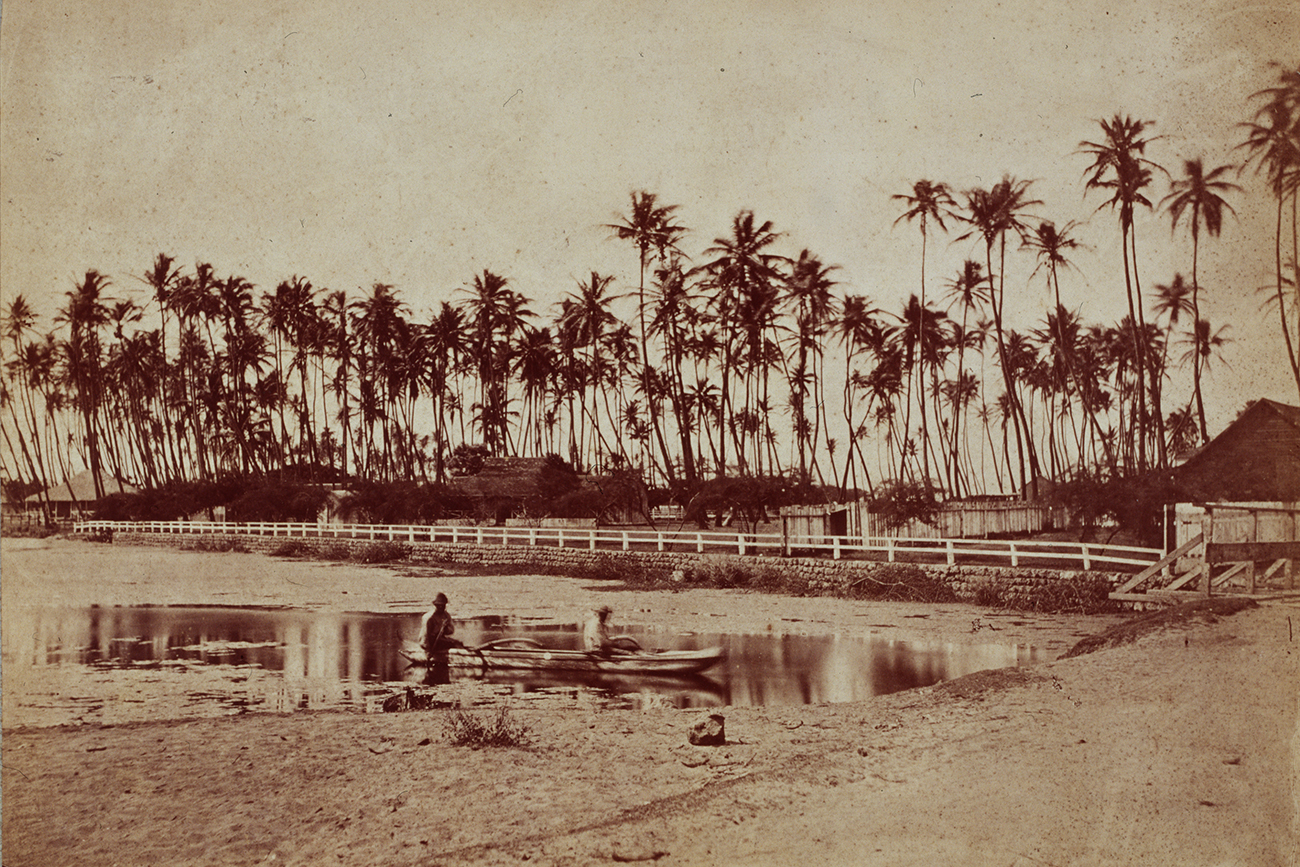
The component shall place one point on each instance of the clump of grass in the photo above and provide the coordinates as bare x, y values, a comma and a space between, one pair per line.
335, 551
381, 552
469, 730
731, 572
292, 548
1078, 594
216, 545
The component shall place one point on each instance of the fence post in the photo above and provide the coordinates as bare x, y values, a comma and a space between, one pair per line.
835, 546
626, 544
659, 536
889, 547
478, 535
699, 543
1015, 559
952, 557
1087, 560
532, 537
591, 545
559, 536
740, 544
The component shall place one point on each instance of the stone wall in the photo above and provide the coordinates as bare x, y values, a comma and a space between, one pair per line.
815, 576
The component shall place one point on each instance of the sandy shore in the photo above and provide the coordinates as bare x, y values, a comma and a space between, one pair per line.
1180, 748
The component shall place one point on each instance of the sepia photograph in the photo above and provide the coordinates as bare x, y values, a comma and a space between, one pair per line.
740, 432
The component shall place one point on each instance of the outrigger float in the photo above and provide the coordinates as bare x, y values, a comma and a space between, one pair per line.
527, 655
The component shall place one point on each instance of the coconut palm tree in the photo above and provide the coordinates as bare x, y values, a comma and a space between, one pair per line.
86, 313
587, 317
1273, 143
674, 318
650, 227
992, 214
859, 330
742, 274
808, 295
1198, 194
1121, 170
927, 201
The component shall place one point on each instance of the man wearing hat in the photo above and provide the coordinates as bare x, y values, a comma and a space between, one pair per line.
436, 628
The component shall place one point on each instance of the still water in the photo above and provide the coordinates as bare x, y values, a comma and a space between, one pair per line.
120, 664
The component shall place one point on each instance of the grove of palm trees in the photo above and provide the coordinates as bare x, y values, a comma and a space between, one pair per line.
720, 351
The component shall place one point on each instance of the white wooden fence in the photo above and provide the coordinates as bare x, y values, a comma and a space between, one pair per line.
1065, 555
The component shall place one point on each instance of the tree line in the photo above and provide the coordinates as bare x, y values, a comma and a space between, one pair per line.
739, 360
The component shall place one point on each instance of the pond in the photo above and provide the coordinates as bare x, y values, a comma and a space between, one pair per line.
131, 664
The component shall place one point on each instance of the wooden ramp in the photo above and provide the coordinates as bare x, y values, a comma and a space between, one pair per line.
1222, 564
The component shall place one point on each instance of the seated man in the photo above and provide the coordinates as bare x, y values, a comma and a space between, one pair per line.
437, 628
596, 637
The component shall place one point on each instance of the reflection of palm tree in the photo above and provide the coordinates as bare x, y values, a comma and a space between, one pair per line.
1121, 170
1273, 139
1197, 193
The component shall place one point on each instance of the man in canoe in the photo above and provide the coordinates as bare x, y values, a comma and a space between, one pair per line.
437, 628
596, 637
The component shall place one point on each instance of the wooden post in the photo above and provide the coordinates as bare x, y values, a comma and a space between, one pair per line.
1207, 530
952, 557
1087, 561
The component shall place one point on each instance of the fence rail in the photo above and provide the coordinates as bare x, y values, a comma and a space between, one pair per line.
950, 551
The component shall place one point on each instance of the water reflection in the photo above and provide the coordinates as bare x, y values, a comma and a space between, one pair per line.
124, 664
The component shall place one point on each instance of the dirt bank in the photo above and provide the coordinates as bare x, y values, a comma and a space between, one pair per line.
1178, 748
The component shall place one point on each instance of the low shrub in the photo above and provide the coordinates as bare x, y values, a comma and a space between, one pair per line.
468, 730
1078, 594
990, 594
901, 582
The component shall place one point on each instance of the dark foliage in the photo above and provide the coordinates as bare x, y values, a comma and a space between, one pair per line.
897, 503
404, 503
1135, 503
467, 459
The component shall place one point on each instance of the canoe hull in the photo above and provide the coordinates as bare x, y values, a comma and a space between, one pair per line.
664, 662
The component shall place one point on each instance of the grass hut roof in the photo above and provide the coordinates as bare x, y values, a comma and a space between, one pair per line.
507, 479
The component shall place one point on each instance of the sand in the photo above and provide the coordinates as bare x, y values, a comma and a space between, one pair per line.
1180, 747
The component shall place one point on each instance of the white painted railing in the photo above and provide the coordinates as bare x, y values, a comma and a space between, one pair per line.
992, 552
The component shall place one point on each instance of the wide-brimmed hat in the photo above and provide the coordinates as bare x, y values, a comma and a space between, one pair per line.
604, 609
440, 599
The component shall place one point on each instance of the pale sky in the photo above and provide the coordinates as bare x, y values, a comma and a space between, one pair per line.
418, 143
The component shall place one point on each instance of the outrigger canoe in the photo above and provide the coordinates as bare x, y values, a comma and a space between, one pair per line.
526, 654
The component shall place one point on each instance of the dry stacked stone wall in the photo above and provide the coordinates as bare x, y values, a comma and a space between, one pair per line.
1004, 585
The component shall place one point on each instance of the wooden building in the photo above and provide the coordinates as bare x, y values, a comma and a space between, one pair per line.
1255, 459
76, 497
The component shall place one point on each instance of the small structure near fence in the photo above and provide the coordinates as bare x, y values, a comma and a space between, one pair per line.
1246, 548
967, 519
